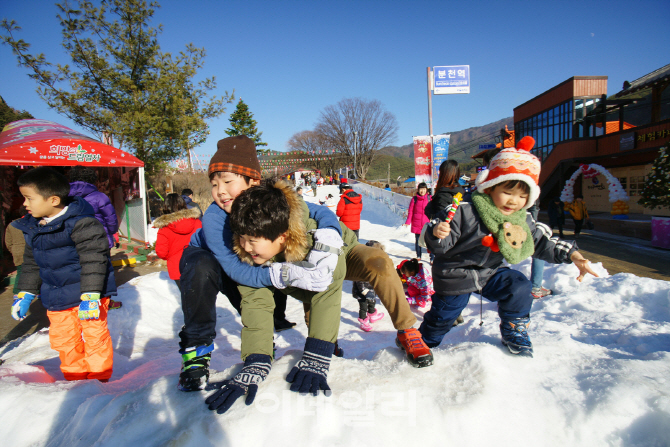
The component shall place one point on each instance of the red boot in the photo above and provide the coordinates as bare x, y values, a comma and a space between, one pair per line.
418, 354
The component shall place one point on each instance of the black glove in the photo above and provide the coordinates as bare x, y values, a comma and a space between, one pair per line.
311, 372
256, 369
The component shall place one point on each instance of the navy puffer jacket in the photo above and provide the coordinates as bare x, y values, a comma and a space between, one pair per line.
463, 265
66, 257
102, 207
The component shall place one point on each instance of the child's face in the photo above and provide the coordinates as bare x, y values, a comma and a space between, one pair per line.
226, 186
37, 205
261, 249
508, 200
423, 191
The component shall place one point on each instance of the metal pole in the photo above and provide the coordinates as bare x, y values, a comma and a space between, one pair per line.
430, 101
355, 175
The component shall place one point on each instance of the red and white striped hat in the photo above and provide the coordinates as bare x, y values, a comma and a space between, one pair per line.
513, 163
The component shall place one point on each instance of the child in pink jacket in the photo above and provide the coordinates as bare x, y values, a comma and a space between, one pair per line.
419, 282
416, 216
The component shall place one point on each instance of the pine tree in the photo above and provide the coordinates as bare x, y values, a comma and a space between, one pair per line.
656, 191
9, 114
120, 82
243, 123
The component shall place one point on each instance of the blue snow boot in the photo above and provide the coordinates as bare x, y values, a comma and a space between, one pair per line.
515, 336
195, 367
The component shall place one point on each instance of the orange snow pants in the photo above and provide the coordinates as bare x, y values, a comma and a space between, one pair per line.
84, 346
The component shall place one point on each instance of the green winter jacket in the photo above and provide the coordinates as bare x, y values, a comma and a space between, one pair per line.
258, 304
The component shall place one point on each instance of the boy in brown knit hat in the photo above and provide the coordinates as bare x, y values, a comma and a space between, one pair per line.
209, 265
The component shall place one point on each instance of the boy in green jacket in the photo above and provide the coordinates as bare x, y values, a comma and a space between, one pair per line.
271, 224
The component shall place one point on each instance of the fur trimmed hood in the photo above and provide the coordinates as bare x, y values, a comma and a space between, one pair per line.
298, 242
168, 219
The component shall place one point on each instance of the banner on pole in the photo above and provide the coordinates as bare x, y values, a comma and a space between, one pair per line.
451, 79
422, 159
440, 153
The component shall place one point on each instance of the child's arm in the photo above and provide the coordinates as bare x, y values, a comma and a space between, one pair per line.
442, 236
108, 213
410, 211
218, 238
557, 251
29, 280
90, 241
583, 265
324, 217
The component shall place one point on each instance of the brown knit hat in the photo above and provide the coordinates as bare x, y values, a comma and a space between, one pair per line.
236, 155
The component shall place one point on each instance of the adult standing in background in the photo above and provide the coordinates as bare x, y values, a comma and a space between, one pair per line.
579, 212
556, 214
187, 195
446, 188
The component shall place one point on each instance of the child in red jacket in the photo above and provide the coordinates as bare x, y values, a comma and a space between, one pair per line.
349, 208
176, 226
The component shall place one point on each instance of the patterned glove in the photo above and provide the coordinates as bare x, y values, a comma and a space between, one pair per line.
311, 372
326, 250
301, 275
89, 308
256, 369
21, 304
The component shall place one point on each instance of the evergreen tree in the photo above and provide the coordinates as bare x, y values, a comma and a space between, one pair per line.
656, 191
120, 82
243, 123
9, 114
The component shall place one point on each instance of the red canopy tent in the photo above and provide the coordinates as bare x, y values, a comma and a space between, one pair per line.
45, 143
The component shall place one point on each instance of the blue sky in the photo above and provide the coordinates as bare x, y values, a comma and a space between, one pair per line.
290, 59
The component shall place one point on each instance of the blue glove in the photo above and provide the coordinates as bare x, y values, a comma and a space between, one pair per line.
89, 308
311, 372
21, 304
256, 369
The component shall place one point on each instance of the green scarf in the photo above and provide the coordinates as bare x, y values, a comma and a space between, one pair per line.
511, 232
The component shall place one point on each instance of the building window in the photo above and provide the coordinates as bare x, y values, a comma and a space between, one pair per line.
636, 185
624, 183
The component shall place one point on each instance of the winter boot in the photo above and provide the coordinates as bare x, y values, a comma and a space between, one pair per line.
540, 292
515, 336
195, 367
365, 324
339, 352
458, 320
114, 304
283, 324
418, 354
375, 316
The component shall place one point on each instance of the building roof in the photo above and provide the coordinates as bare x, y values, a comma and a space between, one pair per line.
508, 142
613, 126
658, 76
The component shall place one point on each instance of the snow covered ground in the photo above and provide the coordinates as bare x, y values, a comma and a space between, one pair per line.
599, 376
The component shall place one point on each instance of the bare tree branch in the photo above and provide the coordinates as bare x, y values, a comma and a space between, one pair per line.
374, 126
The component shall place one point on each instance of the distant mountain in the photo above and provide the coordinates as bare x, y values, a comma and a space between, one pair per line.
462, 144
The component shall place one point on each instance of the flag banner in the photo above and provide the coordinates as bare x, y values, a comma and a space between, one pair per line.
422, 159
440, 153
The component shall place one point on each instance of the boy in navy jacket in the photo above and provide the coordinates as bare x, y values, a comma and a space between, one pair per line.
66, 263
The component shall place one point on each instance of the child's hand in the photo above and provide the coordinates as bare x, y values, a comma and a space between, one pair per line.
441, 230
583, 265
